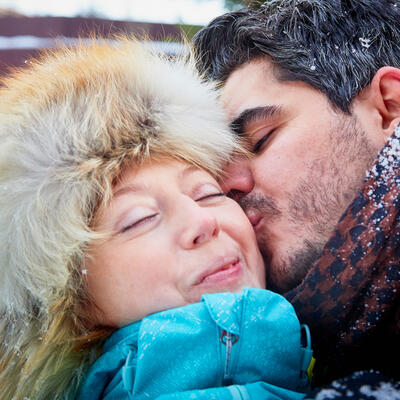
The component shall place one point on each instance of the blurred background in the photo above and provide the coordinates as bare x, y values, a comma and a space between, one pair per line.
26, 26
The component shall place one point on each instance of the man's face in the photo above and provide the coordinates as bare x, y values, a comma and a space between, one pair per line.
309, 160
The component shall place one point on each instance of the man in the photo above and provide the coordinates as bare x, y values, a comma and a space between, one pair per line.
314, 87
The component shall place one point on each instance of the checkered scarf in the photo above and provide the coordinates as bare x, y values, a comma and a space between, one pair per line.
350, 298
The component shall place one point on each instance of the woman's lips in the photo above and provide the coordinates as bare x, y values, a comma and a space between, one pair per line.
225, 273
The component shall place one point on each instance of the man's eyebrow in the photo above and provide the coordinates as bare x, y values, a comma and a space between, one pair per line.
252, 115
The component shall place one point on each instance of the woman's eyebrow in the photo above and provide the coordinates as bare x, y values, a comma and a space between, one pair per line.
253, 115
129, 188
141, 187
189, 169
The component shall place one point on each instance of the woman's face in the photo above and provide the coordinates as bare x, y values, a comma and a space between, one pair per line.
175, 236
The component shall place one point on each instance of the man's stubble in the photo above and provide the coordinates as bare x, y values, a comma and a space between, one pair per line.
317, 202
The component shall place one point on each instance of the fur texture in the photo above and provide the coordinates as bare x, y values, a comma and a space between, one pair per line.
68, 125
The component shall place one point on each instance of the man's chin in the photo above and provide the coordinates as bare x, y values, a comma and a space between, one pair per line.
278, 276
287, 274
280, 285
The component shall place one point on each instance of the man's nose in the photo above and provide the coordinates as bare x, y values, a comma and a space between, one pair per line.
238, 180
200, 225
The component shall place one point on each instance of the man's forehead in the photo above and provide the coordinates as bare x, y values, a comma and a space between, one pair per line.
245, 87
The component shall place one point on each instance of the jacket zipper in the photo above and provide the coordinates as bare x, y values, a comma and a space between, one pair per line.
228, 339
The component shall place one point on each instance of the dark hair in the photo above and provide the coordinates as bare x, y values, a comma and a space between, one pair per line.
335, 46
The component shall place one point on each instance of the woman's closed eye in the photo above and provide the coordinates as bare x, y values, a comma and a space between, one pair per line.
211, 196
209, 192
138, 222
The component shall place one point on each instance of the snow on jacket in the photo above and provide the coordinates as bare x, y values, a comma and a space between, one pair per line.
228, 346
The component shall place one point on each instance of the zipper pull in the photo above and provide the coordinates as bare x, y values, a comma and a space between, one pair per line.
228, 339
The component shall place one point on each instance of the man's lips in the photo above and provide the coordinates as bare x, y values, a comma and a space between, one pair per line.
222, 269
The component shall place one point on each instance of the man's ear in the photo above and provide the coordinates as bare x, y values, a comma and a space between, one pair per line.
384, 93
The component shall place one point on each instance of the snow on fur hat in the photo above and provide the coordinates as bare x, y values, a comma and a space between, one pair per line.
68, 124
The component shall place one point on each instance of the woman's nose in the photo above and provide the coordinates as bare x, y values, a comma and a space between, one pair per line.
238, 179
200, 225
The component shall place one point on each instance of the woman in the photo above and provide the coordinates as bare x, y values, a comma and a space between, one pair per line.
96, 145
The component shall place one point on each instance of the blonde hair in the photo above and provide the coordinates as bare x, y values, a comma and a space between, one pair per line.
68, 125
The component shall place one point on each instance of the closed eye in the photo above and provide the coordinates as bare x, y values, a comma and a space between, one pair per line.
139, 223
211, 196
257, 147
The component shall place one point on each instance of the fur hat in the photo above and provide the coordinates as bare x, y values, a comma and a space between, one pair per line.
68, 125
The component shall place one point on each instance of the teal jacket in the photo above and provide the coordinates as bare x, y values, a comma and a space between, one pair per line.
228, 346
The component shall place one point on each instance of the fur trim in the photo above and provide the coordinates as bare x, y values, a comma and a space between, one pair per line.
68, 125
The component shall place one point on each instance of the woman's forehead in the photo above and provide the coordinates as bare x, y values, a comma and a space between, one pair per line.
137, 176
